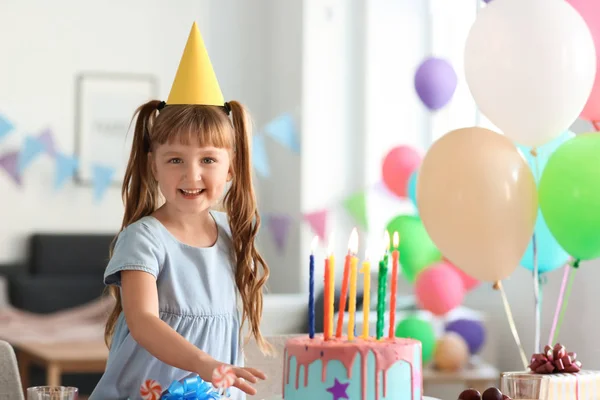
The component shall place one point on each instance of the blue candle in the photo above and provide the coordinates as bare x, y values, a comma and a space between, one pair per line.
311, 291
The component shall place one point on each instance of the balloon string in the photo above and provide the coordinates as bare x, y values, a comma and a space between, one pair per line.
536, 291
511, 323
536, 272
596, 125
564, 302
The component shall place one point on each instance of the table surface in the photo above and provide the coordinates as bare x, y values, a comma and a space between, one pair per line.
66, 352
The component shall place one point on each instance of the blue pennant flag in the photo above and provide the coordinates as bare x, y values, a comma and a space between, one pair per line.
283, 130
102, 176
260, 159
65, 169
32, 148
5, 127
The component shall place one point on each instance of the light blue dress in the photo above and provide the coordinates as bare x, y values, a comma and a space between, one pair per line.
197, 298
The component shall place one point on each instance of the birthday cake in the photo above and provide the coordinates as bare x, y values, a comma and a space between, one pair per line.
359, 369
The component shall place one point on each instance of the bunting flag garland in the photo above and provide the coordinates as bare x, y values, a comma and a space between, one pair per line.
356, 205
279, 225
5, 127
260, 160
8, 162
102, 176
32, 148
47, 139
318, 222
65, 169
283, 130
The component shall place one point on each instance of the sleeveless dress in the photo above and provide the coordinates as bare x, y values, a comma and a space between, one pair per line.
197, 298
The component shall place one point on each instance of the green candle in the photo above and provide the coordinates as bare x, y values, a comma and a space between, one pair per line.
381, 294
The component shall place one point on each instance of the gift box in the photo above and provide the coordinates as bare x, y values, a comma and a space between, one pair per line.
583, 385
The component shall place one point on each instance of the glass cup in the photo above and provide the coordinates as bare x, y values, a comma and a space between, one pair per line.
52, 393
522, 386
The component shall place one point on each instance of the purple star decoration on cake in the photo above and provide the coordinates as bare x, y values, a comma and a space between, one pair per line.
338, 390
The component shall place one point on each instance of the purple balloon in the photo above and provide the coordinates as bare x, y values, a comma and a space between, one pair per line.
435, 83
486, 1
471, 331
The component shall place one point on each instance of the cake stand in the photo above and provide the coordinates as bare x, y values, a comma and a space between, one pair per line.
281, 398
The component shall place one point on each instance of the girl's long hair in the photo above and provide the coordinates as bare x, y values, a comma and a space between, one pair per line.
201, 125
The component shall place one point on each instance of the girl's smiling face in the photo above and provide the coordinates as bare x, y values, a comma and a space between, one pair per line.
192, 178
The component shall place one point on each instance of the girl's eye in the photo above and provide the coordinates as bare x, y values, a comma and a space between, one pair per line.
175, 161
208, 160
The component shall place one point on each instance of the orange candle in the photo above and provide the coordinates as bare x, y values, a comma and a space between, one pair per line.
345, 282
327, 289
394, 284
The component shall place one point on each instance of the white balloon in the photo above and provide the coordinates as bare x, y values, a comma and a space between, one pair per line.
530, 66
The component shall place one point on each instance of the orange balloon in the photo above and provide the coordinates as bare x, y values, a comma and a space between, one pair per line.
451, 353
477, 199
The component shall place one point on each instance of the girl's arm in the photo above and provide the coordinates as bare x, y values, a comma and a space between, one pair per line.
140, 305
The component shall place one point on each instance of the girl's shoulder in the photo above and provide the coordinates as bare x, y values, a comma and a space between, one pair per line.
146, 226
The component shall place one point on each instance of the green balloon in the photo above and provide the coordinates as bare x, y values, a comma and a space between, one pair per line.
569, 196
415, 328
417, 251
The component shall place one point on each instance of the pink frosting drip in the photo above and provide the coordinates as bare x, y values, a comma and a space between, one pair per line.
387, 352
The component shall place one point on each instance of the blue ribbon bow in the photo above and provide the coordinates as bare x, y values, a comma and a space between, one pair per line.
192, 388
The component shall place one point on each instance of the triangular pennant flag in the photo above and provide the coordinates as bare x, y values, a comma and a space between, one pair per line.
279, 224
5, 127
260, 159
356, 205
283, 130
8, 162
195, 81
102, 178
31, 149
65, 169
318, 222
47, 139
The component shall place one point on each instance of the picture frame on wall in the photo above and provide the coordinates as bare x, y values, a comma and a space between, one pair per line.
105, 105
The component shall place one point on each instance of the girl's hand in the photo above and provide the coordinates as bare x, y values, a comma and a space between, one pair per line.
244, 375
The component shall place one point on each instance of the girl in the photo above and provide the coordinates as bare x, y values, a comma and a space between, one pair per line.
177, 269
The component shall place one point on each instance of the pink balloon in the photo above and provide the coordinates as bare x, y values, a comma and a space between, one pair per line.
468, 281
439, 288
590, 11
398, 166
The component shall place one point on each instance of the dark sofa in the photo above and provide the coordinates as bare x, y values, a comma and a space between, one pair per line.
59, 271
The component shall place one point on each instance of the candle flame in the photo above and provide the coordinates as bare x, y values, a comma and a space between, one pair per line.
353, 242
396, 240
367, 254
313, 245
330, 245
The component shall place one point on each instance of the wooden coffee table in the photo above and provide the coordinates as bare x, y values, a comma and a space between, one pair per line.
61, 358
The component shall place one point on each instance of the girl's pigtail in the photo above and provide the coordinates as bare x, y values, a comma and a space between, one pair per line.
240, 203
139, 192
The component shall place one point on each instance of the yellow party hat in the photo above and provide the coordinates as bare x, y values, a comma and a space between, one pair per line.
195, 81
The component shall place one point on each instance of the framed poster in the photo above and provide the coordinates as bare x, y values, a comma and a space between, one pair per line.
104, 125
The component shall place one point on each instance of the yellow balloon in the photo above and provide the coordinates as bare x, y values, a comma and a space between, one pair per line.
477, 198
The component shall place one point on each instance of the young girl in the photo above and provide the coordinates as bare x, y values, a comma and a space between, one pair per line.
177, 269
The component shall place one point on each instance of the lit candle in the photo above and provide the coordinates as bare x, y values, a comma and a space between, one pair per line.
394, 285
366, 271
353, 278
311, 289
345, 282
330, 301
381, 287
